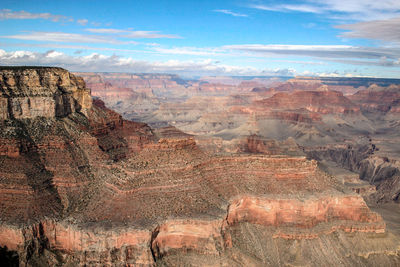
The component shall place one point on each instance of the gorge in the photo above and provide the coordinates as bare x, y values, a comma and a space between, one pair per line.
236, 174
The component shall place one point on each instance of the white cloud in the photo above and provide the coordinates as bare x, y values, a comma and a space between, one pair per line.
288, 54
107, 31
376, 19
9, 14
133, 34
372, 7
194, 51
82, 22
53, 54
338, 9
383, 61
63, 37
19, 55
229, 12
338, 53
289, 47
288, 8
99, 62
78, 46
149, 34
386, 30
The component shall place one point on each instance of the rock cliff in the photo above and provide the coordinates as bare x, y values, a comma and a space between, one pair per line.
378, 99
322, 102
380, 171
41, 92
83, 187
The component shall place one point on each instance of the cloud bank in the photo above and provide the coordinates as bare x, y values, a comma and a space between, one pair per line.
386, 30
338, 9
99, 62
377, 56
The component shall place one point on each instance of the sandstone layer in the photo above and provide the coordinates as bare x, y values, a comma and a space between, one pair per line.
46, 92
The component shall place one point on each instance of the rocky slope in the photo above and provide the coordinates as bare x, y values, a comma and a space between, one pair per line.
310, 117
376, 159
82, 187
363, 159
221, 112
324, 102
130, 95
378, 99
139, 96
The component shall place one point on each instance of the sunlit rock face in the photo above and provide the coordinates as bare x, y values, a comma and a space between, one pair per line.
41, 92
306, 213
81, 186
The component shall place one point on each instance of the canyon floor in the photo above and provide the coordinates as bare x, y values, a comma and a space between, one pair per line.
219, 171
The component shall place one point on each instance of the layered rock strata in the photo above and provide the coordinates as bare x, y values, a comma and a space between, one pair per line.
90, 189
286, 219
45, 92
322, 102
377, 170
378, 99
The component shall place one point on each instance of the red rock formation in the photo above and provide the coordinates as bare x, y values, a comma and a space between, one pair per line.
63, 201
301, 115
9, 148
135, 82
347, 86
129, 246
23, 91
257, 144
192, 235
116, 136
377, 98
290, 219
299, 85
305, 213
329, 102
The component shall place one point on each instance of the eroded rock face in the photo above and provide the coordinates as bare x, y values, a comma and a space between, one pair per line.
174, 237
378, 99
41, 92
380, 171
284, 219
322, 102
115, 136
307, 213
90, 189
78, 246
51, 153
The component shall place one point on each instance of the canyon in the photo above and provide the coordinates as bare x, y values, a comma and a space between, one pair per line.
209, 172
315, 113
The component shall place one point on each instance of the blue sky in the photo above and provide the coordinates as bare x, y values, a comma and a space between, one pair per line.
194, 38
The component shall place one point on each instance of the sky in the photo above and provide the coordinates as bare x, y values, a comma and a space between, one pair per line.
204, 37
